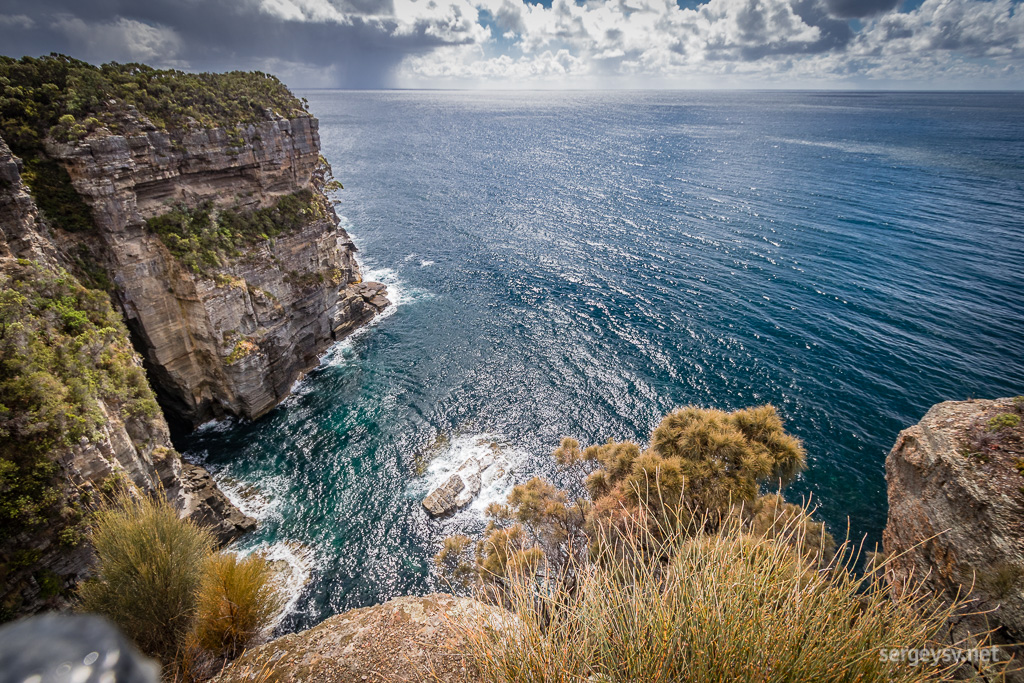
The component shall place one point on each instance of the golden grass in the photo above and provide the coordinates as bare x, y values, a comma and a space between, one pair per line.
236, 602
722, 606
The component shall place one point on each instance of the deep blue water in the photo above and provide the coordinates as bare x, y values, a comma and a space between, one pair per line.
581, 263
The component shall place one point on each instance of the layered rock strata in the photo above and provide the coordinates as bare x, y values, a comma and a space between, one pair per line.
231, 341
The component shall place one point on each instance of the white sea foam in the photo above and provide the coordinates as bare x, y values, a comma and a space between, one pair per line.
426, 263
496, 480
259, 502
221, 425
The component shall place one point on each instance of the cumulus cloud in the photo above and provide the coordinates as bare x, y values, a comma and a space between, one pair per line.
122, 40
582, 43
16, 21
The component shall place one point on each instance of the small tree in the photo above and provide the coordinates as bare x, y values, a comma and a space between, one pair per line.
703, 468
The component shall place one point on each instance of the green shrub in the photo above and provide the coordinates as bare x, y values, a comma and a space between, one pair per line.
50, 584
1003, 421
202, 238
237, 601
149, 567
718, 607
53, 192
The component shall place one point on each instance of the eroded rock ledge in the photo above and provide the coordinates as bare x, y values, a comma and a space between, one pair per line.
403, 640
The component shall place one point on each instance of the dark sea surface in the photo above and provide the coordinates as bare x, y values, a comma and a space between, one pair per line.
580, 263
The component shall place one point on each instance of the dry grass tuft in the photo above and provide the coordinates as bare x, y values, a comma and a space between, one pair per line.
716, 607
236, 602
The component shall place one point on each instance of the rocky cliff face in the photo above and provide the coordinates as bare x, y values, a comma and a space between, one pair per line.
232, 341
135, 447
956, 514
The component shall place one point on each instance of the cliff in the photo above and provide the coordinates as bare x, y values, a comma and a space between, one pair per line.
233, 336
160, 220
76, 415
956, 515
199, 202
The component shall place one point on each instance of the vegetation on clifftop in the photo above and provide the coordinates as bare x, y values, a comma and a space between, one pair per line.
66, 99
721, 606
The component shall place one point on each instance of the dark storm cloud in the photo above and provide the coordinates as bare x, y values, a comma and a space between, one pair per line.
217, 35
362, 43
763, 33
858, 9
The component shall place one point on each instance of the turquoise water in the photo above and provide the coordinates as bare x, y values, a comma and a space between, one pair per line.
580, 263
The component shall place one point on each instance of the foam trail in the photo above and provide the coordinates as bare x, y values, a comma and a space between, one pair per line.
261, 502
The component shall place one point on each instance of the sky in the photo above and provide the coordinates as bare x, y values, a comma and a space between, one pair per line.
506, 44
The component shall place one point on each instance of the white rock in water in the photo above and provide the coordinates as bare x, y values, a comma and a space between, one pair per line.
476, 472
443, 498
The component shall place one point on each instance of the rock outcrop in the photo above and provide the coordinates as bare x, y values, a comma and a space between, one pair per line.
405, 639
459, 489
956, 515
136, 448
231, 341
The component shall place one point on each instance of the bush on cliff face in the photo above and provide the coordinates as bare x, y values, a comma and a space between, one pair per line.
159, 581
63, 350
202, 238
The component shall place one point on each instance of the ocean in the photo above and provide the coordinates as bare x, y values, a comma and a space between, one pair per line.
580, 263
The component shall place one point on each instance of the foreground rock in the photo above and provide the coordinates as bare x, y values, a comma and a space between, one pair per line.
405, 639
459, 489
956, 515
